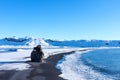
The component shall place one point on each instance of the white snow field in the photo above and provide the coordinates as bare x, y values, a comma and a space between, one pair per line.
15, 58
14, 52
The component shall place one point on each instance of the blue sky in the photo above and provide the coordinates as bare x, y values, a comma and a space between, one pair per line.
60, 19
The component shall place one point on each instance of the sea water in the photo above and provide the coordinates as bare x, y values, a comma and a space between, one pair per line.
101, 64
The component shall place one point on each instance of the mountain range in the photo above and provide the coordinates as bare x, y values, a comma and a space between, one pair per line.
29, 41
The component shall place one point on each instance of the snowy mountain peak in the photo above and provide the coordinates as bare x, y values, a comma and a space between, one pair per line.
26, 41
36, 41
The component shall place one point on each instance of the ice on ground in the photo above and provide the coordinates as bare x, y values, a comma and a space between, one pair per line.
17, 59
15, 66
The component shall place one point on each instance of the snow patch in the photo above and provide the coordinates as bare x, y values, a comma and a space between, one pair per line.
17, 59
16, 66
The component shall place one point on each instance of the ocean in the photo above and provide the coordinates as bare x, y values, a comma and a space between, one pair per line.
99, 64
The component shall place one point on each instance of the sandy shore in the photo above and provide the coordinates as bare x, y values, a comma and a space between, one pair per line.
37, 71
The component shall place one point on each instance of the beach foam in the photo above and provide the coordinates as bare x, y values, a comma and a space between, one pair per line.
73, 68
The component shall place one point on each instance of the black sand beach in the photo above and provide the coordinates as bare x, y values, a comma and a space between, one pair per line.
38, 71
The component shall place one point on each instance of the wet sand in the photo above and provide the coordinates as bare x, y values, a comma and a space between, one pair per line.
38, 71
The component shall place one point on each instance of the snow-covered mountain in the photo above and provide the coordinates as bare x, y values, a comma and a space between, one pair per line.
85, 43
29, 41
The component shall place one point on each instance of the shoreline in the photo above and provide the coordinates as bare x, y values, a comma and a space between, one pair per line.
38, 71
47, 70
